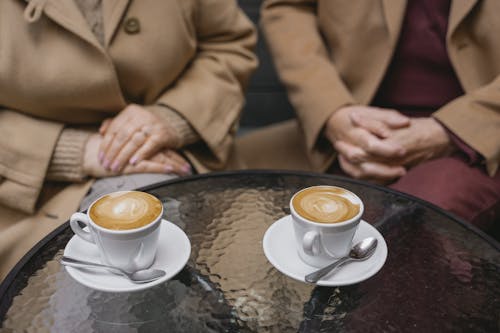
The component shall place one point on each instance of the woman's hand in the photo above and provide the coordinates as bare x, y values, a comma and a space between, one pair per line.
164, 161
134, 135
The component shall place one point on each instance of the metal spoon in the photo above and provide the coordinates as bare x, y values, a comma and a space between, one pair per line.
141, 276
359, 252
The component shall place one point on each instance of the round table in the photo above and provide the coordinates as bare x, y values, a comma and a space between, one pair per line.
441, 274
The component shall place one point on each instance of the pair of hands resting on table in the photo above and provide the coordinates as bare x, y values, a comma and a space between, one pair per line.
380, 144
134, 141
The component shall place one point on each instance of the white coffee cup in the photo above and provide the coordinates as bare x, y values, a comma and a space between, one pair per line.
129, 250
319, 243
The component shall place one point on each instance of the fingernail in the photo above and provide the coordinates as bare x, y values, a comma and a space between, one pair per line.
168, 168
106, 164
115, 167
186, 168
133, 160
101, 156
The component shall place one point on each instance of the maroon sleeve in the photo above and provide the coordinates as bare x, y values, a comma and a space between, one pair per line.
473, 156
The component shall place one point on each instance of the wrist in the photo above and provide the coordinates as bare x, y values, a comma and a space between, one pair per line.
440, 135
67, 159
181, 132
90, 161
335, 122
439, 132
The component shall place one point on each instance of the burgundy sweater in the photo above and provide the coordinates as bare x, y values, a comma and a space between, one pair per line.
420, 78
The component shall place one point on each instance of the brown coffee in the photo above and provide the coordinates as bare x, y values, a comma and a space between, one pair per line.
325, 204
125, 210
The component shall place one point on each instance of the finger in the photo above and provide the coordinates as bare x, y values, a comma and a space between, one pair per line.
102, 131
391, 118
115, 125
104, 126
177, 167
349, 168
186, 167
352, 153
152, 146
105, 142
374, 126
145, 167
371, 170
118, 122
119, 141
129, 116
148, 166
376, 146
172, 163
130, 147
180, 161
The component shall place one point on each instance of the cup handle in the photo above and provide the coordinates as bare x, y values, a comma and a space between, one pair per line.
310, 243
73, 222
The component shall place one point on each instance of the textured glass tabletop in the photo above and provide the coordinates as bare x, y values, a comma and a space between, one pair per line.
440, 275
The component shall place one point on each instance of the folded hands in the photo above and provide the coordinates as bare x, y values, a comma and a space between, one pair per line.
134, 141
381, 144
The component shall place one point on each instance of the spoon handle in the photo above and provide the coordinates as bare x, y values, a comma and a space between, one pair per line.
317, 275
68, 261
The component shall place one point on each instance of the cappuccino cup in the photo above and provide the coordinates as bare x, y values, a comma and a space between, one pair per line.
325, 219
124, 226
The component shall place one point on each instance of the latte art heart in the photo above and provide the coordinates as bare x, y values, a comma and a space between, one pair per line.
325, 205
125, 210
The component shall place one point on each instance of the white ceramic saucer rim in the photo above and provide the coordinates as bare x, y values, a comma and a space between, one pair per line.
168, 230
329, 281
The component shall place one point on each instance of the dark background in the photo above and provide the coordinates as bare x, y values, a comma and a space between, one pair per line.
266, 100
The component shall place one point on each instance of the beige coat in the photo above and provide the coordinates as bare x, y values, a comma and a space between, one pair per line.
330, 53
192, 56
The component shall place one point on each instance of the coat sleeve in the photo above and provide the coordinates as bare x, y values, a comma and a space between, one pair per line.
475, 118
314, 85
26, 148
209, 93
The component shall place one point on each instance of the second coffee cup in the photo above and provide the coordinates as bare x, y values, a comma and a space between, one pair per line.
125, 226
325, 219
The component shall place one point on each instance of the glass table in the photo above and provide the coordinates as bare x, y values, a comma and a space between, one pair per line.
441, 274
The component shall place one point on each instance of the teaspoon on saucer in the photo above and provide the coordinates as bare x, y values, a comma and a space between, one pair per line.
141, 276
359, 252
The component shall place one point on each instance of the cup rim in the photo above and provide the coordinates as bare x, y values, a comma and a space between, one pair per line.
353, 219
125, 231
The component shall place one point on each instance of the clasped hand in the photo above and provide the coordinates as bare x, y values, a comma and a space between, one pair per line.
381, 144
135, 141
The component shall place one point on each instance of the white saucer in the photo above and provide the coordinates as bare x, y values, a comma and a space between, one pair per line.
172, 255
280, 249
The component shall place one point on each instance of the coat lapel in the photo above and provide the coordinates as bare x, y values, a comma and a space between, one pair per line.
112, 12
67, 14
458, 11
394, 12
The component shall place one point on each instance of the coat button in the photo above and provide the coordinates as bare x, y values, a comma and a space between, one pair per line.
132, 26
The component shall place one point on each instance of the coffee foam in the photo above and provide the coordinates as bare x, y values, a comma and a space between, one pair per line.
325, 204
125, 210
